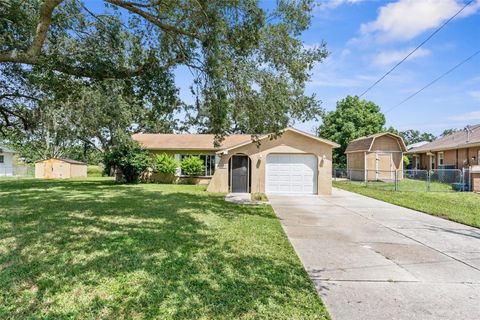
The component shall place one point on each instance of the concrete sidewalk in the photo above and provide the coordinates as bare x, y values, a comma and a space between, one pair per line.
374, 260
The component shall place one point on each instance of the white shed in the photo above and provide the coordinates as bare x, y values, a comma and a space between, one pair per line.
6, 162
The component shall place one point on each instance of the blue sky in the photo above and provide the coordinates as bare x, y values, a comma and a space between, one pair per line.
366, 38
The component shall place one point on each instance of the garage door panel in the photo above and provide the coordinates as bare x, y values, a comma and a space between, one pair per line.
287, 173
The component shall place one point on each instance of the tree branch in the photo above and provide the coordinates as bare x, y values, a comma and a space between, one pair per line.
17, 95
31, 55
42, 28
165, 27
6, 112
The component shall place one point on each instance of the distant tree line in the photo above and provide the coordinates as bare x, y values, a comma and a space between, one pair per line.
354, 118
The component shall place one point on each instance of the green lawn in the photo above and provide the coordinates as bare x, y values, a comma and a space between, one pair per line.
463, 207
406, 185
95, 250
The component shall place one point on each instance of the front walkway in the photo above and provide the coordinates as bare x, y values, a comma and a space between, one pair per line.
374, 260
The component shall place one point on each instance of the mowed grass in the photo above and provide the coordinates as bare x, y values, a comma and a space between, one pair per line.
405, 185
463, 207
96, 250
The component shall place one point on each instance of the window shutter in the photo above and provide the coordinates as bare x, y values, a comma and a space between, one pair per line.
178, 158
217, 160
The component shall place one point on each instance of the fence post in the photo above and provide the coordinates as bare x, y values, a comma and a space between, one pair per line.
428, 180
396, 180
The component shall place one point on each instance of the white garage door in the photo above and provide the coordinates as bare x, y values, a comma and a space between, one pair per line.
291, 173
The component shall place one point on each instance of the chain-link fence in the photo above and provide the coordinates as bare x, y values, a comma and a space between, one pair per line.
16, 171
439, 180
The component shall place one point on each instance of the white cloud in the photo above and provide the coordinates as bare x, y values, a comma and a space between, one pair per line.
475, 94
332, 4
310, 46
470, 116
406, 19
392, 56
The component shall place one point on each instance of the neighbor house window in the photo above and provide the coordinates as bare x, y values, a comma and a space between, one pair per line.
440, 159
208, 162
2, 159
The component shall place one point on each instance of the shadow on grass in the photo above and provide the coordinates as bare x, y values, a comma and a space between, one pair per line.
93, 249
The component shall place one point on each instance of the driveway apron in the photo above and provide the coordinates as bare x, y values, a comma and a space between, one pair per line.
374, 260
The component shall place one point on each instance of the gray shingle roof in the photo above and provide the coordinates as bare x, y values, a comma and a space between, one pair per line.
453, 141
65, 160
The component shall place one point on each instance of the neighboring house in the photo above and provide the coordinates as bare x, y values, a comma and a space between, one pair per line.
415, 165
458, 150
6, 161
375, 157
54, 168
293, 163
416, 145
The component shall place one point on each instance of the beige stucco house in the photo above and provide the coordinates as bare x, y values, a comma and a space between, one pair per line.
376, 157
294, 162
458, 150
56, 168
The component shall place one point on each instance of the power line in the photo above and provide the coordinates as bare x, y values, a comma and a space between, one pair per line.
414, 50
435, 80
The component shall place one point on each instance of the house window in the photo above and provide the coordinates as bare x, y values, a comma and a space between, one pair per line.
2, 159
208, 162
432, 162
440, 159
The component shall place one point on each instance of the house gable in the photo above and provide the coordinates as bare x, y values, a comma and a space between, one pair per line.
384, 141
291, 133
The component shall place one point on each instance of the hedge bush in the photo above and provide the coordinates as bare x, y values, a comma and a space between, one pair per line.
94, 171
192, 166
130, 158
165, 164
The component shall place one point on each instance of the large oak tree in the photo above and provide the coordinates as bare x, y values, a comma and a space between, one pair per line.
249, 65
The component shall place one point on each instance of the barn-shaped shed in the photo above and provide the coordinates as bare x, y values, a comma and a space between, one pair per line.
57, 168
376, 157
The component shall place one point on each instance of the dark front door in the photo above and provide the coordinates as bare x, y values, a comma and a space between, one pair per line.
239, 174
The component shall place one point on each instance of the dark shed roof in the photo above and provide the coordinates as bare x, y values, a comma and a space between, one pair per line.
365, 143
65, 160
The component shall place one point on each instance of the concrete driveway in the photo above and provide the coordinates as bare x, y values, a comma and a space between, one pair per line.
373, 260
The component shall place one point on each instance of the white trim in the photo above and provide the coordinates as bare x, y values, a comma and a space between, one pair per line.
178, 158
438, 158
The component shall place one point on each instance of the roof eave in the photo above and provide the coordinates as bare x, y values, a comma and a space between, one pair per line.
328, 142
460, 146
182, 149
353, 151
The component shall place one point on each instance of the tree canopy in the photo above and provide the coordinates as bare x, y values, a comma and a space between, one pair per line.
413, 136
112, 68
353, 118
448, 132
